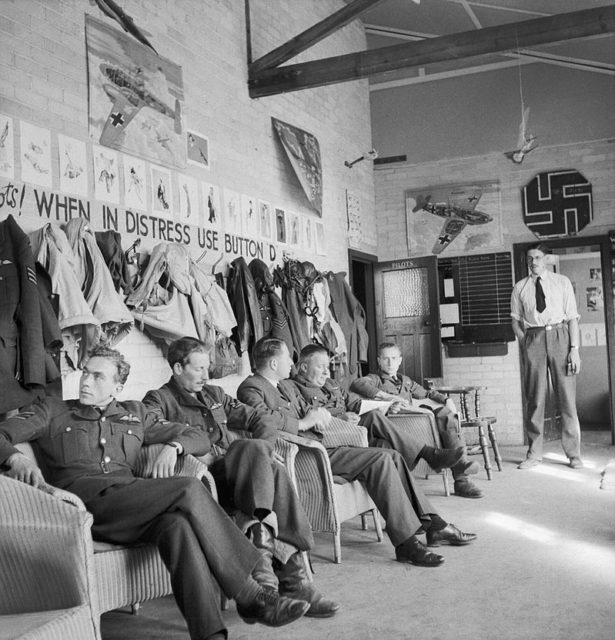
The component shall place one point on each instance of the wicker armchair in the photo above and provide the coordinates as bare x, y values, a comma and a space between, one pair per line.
423, 426
329, 500
94, 576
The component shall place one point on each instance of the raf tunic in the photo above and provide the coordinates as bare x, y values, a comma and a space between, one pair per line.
247, 478
92, 453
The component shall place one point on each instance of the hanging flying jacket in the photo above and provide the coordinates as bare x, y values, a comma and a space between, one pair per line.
351, 317
97, 284
161, 300
273, 312
110, 245
216, 300
22, 343
327, 330
80, 329
242, 294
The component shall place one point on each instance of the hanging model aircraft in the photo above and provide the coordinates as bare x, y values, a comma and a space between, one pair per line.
129, 96
526, 142
459, 210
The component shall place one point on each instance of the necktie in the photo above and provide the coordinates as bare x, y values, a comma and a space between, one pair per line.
540, 297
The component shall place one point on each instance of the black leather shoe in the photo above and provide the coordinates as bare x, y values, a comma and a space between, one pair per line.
449, 535
444, 458
466, 489
413, 551
273, 610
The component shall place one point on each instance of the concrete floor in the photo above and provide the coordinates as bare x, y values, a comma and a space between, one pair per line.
542, 568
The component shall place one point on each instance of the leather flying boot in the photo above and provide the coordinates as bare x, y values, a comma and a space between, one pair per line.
262, 538
294, 583
439, 459
272, 609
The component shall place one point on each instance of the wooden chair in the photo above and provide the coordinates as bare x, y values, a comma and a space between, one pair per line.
469, 416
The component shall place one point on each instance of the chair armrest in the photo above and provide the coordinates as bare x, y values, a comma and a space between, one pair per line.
64, 496
186, 466
339, 433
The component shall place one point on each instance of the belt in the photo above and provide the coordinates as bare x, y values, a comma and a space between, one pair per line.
547, 327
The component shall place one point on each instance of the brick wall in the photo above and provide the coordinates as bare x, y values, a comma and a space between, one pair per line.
43, 80
595, 160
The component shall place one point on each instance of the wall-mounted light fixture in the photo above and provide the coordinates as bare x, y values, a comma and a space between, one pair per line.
372, 154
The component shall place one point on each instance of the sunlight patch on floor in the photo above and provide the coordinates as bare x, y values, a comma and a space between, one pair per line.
560, 473
593, 559
558, 457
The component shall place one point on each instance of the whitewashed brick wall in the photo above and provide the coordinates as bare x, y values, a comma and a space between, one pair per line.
43, 80
595, 159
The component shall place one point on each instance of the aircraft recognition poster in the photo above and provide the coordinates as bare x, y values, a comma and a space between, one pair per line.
454, 218
135, 97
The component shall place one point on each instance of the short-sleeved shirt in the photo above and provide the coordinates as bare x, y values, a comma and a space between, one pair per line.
561, 304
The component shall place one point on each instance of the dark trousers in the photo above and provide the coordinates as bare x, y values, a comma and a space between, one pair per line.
249, 480
548, 351
199, 544
398, 437
389, 484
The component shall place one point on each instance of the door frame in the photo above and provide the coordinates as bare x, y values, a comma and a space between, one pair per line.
367, 261
604, 244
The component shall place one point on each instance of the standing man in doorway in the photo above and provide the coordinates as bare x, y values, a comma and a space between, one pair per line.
546, 322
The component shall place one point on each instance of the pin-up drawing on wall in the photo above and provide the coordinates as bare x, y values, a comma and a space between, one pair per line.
264, 215
293, 228
35, 155
280, 225
162, 193
7, 151
73, 164
308, 234
211, 206
135, 183
456, 218
319, 238
232, 211
135, 97
249, 215
188, 199
197, 149
106, 174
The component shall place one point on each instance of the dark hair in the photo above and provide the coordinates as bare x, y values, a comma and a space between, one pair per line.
539, 246
310, 350
264, 350
387, 345
181, 350
123, 368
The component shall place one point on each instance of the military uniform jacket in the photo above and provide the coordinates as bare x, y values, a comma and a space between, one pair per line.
86, 450
398, 385
330, 396
283, 403
212, 411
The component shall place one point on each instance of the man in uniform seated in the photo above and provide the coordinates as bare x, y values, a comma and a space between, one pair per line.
388, 384
90, 447
319, 390
383, 471
247, 474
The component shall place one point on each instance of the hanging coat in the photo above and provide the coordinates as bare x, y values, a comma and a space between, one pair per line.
97, 284
242, 294
110, 245
273, 312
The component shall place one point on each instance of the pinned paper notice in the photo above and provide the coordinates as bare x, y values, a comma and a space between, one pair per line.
449, 288
449, 313
447, 332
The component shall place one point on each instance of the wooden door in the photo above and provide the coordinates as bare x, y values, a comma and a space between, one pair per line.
407, 313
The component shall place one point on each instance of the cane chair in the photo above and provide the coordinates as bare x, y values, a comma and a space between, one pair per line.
329, 500
469, 417
109, 576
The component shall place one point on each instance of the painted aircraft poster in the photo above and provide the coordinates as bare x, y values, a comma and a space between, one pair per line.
454, 218
135, 97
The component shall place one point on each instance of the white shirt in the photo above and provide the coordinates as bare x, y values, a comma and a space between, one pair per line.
561, 304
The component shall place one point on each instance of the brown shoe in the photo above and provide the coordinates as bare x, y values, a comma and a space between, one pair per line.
465, 488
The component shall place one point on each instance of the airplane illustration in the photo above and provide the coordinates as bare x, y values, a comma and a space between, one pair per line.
129, 96
459, 209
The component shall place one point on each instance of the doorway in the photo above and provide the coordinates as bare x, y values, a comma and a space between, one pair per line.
586, 262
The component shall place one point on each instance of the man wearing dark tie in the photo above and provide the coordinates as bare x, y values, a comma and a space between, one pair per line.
546, 322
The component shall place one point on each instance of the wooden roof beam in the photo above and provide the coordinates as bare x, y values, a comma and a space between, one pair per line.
556, 28
314, 34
